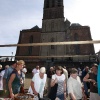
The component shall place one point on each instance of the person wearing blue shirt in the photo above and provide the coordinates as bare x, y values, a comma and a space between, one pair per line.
6, 77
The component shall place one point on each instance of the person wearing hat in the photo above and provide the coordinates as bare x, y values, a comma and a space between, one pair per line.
38, 82
92, 79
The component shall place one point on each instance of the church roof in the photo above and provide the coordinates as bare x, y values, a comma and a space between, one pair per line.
35, 28
75, 24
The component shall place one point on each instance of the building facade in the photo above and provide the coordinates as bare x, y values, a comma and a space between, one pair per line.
55, 28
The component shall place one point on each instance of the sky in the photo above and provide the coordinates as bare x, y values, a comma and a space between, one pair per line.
16, 15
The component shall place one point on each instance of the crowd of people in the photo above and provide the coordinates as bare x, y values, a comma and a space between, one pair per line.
57, 83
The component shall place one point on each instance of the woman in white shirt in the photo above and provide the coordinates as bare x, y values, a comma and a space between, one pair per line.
59, 78
74, 86
38, 82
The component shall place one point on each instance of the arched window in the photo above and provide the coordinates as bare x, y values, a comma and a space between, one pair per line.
53, 3
47, 4
59, 3
31, 39
76, 37
52, 26
77, 46
30, 47
52, 40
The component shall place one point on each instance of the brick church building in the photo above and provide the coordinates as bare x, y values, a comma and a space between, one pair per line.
55, 28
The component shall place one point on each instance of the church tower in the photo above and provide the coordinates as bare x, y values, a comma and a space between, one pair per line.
53, 16
53, 28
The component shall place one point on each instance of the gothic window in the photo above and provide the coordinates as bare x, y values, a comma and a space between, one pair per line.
52, 26
56, 26
50, 14
55, 14
52, 40
77, 49
47, 4
44, 27
31, 39
77, 46
59, 3
53, 3
76, 37
30, 47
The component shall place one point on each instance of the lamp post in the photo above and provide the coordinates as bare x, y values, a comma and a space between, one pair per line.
11, 55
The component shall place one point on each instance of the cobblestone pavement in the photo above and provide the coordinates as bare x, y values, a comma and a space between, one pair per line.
27, 81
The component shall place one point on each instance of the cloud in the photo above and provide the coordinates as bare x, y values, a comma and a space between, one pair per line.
16, 15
